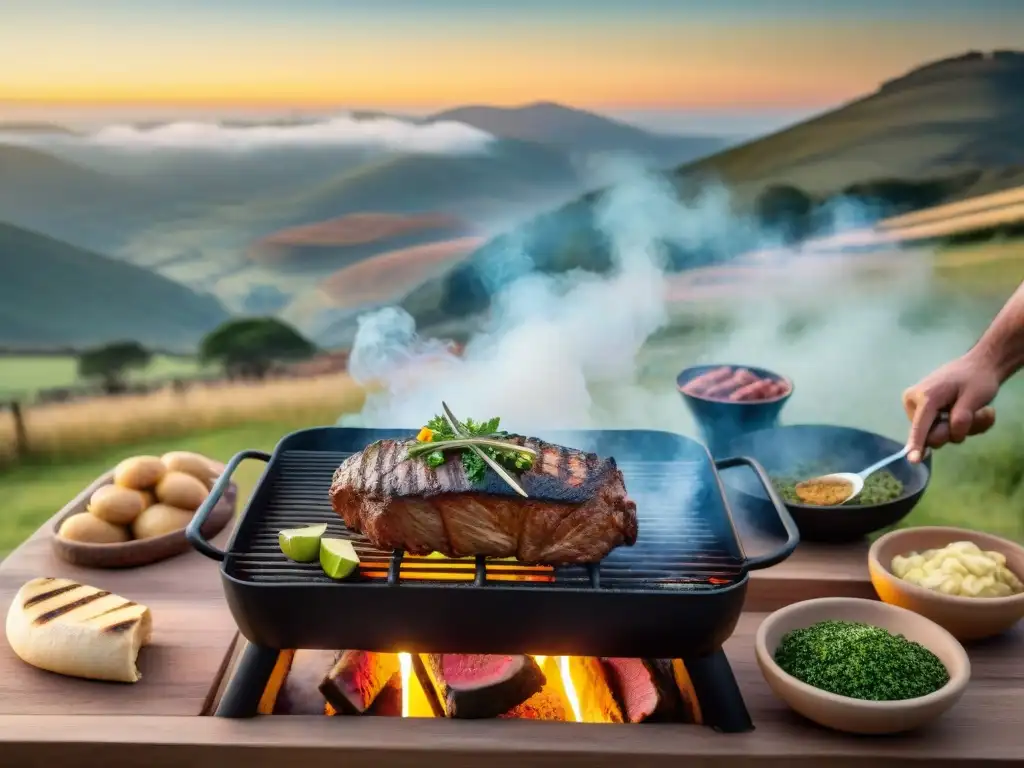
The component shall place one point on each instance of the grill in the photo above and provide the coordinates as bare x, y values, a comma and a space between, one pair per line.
677, 593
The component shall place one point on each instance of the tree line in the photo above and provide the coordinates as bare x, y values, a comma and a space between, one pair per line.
246, 348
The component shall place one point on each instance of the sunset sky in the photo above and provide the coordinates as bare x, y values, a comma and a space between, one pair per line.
420, 54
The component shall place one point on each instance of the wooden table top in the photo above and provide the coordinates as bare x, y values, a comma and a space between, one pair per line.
47, 719
192, 631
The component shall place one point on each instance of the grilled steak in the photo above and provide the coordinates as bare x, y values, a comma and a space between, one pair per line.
577, 510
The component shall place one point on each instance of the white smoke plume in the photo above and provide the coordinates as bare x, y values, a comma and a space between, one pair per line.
585, 351
549, 339
340, 131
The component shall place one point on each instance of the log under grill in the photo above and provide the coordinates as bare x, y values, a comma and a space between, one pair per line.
554, 688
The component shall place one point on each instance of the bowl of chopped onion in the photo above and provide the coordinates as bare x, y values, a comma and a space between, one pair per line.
969, 582
861, 666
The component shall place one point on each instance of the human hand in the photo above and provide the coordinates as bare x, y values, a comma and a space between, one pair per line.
964, 387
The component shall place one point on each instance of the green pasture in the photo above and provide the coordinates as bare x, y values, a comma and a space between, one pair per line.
25, 374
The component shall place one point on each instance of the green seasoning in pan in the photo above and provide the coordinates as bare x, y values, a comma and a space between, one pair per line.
860, 661
878, 488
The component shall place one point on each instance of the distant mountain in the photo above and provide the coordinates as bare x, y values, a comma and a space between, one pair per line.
52, 293
65, 199
579, 131
35, 128
960, 114
959, 120
471, 186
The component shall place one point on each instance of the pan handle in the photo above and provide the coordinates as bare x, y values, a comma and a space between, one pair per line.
194, 529
792, 532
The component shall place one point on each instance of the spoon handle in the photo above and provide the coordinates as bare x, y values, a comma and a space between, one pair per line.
884, 463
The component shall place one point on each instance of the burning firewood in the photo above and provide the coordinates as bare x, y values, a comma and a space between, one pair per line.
596, 699
354, 682
691, 706
275, 682
479, 686
646, 689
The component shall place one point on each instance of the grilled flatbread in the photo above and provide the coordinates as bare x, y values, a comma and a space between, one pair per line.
62, 626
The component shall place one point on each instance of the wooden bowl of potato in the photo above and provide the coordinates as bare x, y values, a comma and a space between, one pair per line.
968, 582
136, 514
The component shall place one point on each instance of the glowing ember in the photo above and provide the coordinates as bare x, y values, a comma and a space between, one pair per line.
570, 689
405, 667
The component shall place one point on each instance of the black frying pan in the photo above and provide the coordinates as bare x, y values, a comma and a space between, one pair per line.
782, 450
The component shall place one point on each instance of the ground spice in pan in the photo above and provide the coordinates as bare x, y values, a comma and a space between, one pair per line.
860, 661
824, 493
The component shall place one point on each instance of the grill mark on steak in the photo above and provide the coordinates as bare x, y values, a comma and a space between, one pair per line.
577, 510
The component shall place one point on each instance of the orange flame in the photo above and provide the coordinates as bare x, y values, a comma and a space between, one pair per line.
570, 689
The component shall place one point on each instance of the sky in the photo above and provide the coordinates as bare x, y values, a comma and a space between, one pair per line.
659, 60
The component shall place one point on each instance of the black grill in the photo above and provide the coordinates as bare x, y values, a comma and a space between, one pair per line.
677, 593
677, 547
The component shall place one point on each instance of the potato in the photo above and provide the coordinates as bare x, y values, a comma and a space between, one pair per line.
89, 529
182, 491
158, 520
148, 498
193, 464
139, 472
117, 505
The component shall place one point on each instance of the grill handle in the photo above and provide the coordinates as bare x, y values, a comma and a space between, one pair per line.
193, 531
792, 532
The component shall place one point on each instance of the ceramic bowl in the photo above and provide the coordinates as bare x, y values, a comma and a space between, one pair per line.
138, 552
855, 715
967, 618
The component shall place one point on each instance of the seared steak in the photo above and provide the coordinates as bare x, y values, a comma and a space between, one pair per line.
577, 510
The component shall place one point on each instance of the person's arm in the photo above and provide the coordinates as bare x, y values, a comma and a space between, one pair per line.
1002, 345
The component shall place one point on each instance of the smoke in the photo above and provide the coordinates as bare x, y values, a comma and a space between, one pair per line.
341, 131
586, 351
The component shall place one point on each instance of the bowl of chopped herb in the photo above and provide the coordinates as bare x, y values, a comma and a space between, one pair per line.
793, 453
861, 666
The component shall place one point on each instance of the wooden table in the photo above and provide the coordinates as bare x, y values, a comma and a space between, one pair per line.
47, 720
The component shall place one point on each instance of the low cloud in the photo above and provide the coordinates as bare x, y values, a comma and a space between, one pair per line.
341, 131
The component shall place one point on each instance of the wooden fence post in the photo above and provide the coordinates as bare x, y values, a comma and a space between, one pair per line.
20, 433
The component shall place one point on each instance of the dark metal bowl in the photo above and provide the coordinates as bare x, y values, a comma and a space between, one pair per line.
838, 449
721, 420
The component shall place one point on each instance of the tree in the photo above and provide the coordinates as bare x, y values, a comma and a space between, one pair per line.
111, 363
249, 347
787, 210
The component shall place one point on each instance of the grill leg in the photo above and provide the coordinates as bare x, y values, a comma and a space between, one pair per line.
721, 702
244, 690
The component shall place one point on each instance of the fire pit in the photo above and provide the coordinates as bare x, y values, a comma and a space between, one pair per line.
675, 595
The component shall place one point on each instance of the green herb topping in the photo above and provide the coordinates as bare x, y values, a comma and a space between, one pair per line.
481, 444
860, 661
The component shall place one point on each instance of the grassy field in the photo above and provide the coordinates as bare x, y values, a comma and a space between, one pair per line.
22, 375
61, 432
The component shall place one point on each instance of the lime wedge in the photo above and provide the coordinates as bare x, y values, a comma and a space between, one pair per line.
301, 544
338, 557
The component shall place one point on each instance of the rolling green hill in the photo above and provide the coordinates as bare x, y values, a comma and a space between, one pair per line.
960, 118
956, 115
54, 294
508, 171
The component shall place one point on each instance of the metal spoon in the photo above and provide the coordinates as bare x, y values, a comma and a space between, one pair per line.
856, 479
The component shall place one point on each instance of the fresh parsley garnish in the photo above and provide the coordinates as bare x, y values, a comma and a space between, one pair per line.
480, 443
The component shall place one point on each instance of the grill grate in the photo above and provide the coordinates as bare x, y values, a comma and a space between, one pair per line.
681, 545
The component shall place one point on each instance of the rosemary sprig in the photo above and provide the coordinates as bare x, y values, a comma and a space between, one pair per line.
466, 442
499, 470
